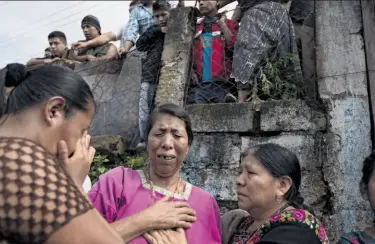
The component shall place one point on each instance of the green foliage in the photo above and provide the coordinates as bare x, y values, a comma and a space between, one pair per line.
102, 164
276, 81
135, 162
98, 167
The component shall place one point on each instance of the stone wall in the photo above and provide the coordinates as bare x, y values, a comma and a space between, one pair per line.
342, 81
331, 146
223, 131
116, 85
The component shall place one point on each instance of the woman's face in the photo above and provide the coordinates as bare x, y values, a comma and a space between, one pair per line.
371, 191
68, 129
167, 145
256, 187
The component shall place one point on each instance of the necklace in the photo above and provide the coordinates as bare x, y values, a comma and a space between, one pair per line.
153, 195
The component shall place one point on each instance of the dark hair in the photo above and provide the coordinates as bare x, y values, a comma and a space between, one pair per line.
280, 161
133, 2
34, 87
161, 5
58, 34
175, 111
368, 168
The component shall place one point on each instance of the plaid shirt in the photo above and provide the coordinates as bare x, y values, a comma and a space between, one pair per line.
140, 20
266, 31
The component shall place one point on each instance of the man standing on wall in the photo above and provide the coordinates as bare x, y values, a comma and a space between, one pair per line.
266, 32
213, 53
152, 42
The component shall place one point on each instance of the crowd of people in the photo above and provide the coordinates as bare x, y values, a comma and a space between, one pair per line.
45, 155
45, 152
228, 54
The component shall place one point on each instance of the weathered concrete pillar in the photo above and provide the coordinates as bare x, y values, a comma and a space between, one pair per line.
342, 82
177, 56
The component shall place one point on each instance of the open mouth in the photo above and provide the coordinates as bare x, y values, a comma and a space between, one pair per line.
165, 157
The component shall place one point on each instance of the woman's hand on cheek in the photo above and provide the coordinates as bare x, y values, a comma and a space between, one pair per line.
168, 215
79, 164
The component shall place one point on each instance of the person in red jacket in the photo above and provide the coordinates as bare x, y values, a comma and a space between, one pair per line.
213, 53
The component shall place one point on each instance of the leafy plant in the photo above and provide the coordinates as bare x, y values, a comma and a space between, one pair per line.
276, 81
98, 167
135, 162
102, 164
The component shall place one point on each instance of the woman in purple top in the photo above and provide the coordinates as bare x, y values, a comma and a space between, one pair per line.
135, 201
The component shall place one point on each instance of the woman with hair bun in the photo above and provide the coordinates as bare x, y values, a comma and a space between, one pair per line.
45, 155
271, 208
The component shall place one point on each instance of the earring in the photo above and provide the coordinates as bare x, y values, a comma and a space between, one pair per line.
279, 199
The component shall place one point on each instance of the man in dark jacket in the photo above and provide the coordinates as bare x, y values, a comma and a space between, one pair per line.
152, 42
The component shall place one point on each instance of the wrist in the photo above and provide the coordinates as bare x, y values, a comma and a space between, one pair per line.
146, 220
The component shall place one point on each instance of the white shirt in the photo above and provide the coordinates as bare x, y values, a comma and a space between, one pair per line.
87, 184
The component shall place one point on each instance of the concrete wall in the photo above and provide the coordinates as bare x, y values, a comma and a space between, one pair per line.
223, 131
330, 146
116, 85
342, 81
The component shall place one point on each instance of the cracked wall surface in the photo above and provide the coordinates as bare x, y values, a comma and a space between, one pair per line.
213, 160
115, 85
330, 146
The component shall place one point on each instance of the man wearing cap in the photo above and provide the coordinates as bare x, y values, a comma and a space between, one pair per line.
140, 19
91, 29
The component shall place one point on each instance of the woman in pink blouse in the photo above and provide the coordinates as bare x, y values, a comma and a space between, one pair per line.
130, 199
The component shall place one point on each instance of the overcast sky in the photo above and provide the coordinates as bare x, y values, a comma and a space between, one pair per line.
25, 25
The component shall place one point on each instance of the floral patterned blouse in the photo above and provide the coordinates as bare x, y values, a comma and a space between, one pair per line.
288, 226
360, 237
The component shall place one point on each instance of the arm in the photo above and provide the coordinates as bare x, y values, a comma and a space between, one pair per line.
146, 40
106, 193
79, 231
35, 61
111, 53
131, 31
132, 226
99, 41
237, 14
229, 29
82, 58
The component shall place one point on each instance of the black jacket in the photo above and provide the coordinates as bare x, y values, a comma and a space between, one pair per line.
152, 42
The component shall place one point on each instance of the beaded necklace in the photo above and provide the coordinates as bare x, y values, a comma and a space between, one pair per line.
153, 195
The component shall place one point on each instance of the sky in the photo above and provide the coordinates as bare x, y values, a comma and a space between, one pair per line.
25, 25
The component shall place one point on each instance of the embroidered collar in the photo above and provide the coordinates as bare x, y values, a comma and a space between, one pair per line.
180, 196
284, 217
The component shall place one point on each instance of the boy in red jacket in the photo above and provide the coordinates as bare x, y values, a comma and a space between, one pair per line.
213, 54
